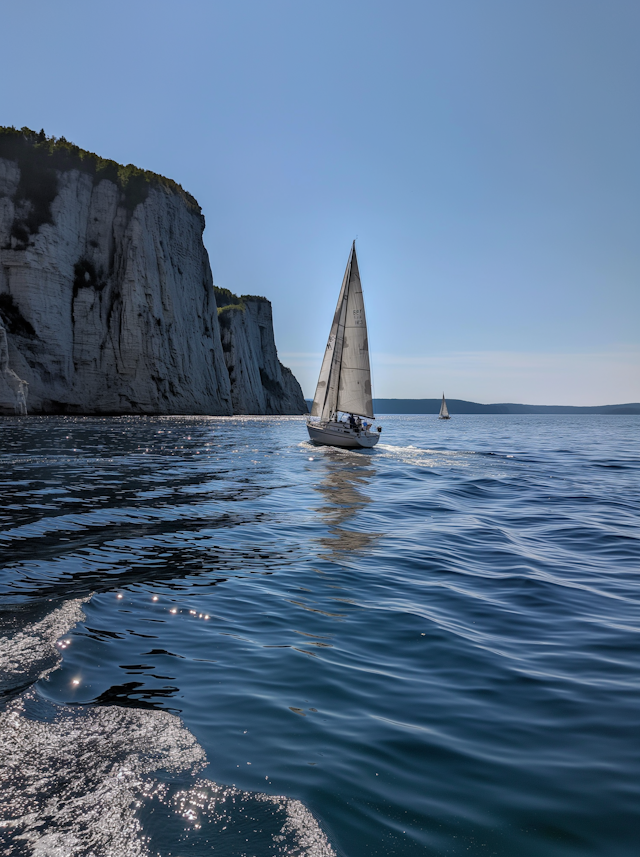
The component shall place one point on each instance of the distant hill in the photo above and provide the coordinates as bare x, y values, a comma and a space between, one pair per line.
460, 406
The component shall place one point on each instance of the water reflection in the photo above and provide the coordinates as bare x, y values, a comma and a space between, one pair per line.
345, 491
136, 694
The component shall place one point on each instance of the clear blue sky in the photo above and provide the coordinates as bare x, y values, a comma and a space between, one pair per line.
486, 154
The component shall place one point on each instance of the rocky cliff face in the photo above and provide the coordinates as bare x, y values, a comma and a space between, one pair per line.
260, 384
107, 302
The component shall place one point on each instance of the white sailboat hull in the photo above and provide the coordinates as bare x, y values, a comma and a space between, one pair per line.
342, 435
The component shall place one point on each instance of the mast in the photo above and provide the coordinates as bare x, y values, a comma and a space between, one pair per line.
344, 383
326, 396
345, 309
354, 391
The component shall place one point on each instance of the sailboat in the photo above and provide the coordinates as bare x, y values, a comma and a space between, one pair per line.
444, 411
343, 395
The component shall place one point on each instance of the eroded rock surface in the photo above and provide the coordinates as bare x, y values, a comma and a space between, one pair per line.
108, 307
260, 384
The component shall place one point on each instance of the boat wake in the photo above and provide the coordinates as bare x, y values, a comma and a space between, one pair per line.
110, 780
426, 457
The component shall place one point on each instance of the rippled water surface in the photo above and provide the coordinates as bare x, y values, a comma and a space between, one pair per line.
217, 638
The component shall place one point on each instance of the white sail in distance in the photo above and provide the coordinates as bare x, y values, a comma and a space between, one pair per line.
444, 412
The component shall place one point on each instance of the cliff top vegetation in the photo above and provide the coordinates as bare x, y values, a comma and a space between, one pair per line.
39, 156
226, 300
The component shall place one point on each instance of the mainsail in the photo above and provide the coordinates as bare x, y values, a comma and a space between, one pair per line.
444, 413
345, 377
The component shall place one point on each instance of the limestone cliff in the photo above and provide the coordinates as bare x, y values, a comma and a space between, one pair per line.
260, 384
107, 302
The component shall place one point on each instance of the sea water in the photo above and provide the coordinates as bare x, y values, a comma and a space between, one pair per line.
216, 638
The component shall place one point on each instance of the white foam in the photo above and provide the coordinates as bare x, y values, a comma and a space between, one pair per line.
32, 649
73, 781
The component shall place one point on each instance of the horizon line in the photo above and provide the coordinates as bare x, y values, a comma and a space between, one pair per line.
490, 404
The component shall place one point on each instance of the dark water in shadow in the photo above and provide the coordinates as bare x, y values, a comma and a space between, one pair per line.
216, 638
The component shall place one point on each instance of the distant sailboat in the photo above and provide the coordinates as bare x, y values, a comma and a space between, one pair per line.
444, 411
344, 385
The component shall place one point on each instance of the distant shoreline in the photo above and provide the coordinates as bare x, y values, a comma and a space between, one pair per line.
460, 406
